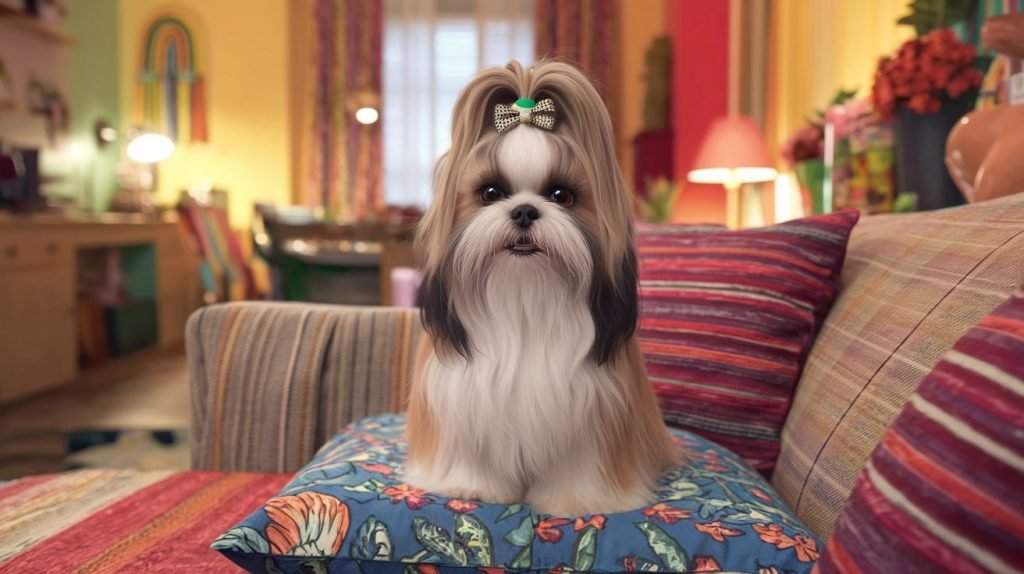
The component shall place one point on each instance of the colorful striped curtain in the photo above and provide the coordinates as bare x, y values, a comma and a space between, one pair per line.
340, 158
582, 32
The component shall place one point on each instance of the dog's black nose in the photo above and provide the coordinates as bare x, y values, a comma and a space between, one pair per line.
524, 215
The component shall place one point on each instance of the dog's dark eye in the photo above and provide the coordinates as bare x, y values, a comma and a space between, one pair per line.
562, 196
490, 193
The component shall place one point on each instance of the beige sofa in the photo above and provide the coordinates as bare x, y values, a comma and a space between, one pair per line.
273, 381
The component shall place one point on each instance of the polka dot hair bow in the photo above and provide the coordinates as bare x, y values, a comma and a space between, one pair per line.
525, 111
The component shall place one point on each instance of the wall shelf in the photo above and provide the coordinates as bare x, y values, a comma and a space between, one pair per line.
22, 21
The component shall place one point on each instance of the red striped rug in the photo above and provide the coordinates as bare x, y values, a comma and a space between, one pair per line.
125, 521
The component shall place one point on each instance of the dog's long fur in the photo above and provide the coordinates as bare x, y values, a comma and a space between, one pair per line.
530, 385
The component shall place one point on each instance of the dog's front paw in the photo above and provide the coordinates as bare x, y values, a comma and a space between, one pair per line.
466, 486
563, 498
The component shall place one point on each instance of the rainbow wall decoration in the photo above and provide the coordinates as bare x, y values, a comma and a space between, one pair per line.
170, 91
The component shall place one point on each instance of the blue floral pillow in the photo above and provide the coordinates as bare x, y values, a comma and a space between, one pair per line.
347, 511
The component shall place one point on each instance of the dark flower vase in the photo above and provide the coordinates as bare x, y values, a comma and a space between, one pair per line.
921, 152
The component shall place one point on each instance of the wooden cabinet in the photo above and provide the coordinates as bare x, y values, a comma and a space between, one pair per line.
37, 328
38, 299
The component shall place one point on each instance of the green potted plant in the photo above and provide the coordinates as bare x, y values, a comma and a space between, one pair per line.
657, 205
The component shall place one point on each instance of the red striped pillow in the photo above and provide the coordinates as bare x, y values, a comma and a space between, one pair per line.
942, 492
727, 319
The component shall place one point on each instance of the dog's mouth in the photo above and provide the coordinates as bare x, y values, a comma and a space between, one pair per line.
523, 246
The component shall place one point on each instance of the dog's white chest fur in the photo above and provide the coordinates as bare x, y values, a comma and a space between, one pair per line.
518, 419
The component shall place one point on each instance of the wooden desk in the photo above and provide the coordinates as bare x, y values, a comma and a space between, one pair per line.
38, 299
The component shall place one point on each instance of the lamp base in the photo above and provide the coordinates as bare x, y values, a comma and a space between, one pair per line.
733, 203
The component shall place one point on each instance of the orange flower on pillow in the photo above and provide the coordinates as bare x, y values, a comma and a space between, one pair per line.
597, 521
548, 529
414, 498
717, 531
461, 506
306, 524
772, 534
806, 548
667, 514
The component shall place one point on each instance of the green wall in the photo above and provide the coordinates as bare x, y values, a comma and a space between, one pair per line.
95, 93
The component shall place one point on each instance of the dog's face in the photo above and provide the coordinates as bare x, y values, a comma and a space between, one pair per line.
526, 208
531, 203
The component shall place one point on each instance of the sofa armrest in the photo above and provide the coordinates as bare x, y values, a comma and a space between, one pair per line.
271, 382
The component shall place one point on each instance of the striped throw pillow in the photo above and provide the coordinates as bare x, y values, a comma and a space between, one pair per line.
943, 490
727, 319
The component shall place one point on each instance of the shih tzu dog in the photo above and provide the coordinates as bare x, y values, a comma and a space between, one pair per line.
530, 385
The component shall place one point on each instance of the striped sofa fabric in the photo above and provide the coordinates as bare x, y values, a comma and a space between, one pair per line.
271, 382
942, 492
911, 287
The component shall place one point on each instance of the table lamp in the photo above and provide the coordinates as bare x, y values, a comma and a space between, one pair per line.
149, 148
732, 154
145, 149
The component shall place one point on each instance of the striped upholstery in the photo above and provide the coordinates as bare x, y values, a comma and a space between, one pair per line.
727, 319
942, 492
271, 382
125, 521
912, 285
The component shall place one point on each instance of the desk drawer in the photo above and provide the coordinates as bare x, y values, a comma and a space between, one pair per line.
32, 250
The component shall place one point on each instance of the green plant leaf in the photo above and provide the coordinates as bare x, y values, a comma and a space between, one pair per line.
585, 549
522, 535
664, 546
928, 15
372, 486
509, 511
435, 539
752, 517
712, 506
475, 538
242, 539
686, 488
523, 560
373, 542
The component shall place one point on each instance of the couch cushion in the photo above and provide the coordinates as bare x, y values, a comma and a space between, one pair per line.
349, 504
912, 285
727, 319
942, 492
124, 520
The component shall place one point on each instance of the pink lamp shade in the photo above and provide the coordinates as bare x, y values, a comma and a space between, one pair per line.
732, 153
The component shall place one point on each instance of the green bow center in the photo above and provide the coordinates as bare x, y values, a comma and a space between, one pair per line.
525, 103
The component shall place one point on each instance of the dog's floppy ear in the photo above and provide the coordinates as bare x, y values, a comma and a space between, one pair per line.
439, 317
613, 306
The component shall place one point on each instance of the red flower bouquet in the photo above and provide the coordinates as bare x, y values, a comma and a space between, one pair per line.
925, 71
807, 143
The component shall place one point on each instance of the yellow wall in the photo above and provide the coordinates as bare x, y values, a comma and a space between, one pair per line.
824, 45
640, 21
244, 58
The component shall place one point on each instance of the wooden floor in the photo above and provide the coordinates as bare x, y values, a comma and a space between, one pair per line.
150, 394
